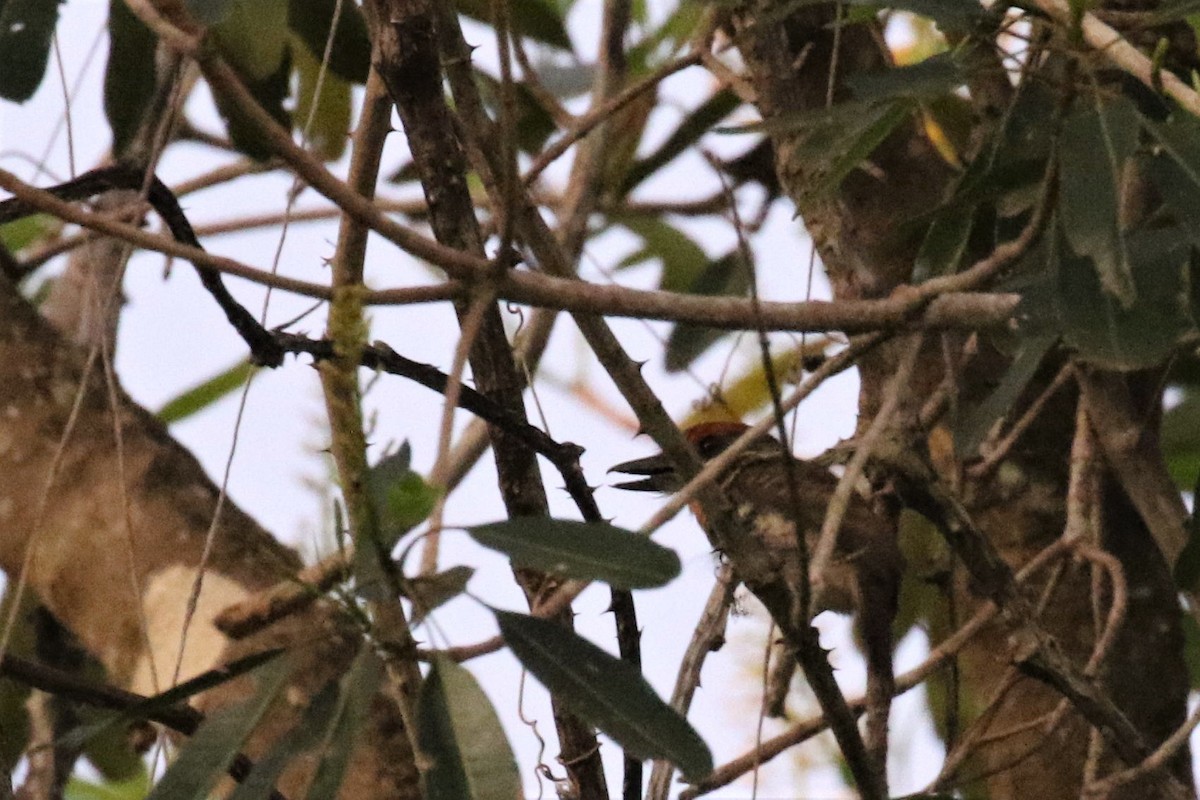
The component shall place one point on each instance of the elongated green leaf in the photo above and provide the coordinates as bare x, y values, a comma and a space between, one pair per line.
203, 395
400, 499
21, 233
1143, 334
1179, 439
128, 84
331, 119
586, 550
132, 788
537, 19
151, 706
253, 36
211, 750
725, 276
533, 123
1094, 146
308, 733
400, 496
1172, 10
682, 259
834, 141
459, 730
608, 692
945, 243
858, 148
26, 27
270, 92
427, 592
950, 15
210, 12
675, 31
1175, 171
935, 76
698, 122
112, 753
1187, 566
350, 56
347, 722
974, 425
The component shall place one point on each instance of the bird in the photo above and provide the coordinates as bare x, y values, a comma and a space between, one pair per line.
772, 492
866, 559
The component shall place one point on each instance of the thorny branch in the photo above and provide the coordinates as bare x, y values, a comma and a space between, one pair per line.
180, 717
953, 308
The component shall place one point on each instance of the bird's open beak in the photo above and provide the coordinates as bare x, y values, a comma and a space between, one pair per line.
659, 474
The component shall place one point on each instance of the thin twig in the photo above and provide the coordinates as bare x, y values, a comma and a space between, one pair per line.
708, 636
995, 454
585, 124
1110, 44
935, 660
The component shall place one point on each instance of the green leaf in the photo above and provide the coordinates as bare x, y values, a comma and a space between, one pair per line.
1114, 336
1191, 648
331, 121
585, 550
309, 732
1094, 146
210, 12
676, 30
203, 395
458, 729
725, 276
566, 80
26, 28
607, 692
350, 56
945, 243
132, 788
1179, 438
694, 125
970, 430
212, 748
856, 149
834, 141
270, 92
1171, 11
1175, 170
15, 236
253, 37
347, 723
533, 123
110, 750
935, 76
1187, 566
401, 497
427, 592
682, 259
952, 16
177, 694
536, 19
128, 84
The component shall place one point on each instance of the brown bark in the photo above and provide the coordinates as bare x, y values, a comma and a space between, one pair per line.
103, 556
407, 56
864, 235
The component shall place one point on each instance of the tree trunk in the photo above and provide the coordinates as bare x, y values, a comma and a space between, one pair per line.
865, 235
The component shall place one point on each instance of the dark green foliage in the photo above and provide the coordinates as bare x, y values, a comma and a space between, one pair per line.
608, 692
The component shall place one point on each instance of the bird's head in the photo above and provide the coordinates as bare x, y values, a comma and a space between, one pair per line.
710, 440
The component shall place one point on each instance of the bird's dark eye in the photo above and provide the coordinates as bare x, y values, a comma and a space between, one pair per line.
710, 447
